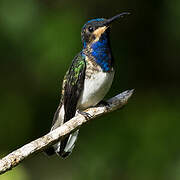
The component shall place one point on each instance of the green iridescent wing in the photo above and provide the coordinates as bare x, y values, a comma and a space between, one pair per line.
71, 88
73, 85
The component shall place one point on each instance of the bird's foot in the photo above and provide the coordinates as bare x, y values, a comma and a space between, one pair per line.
85, 114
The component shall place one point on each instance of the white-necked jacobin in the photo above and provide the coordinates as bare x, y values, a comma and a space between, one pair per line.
88, 79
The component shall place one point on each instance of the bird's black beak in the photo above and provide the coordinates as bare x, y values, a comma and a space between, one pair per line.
121, 15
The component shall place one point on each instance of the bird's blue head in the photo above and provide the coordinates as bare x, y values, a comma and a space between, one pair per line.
95, 37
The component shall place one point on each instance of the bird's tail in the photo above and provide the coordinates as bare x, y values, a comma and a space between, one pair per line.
64, 147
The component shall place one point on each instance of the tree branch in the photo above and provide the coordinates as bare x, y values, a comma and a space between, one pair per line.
14, 158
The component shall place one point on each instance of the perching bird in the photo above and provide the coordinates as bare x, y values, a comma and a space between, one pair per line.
88, 79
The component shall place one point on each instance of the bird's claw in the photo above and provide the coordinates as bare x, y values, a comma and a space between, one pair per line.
85, 114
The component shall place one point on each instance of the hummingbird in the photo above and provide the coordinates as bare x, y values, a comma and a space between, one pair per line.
87, 80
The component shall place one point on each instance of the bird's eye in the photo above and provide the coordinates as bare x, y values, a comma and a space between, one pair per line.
90, 28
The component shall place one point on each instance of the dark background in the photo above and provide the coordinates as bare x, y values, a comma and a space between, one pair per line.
38, 40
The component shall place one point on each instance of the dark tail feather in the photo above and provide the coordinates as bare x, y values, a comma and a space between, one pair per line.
60, 150
62, 147
65, 147
65, 154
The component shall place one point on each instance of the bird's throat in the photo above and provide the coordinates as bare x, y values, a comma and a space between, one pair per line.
101, 52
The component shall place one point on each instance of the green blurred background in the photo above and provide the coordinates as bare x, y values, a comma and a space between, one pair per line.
38, 40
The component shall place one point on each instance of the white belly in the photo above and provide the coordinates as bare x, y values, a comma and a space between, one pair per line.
95, 89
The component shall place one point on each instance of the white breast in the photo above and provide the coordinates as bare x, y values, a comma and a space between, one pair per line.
95, 88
